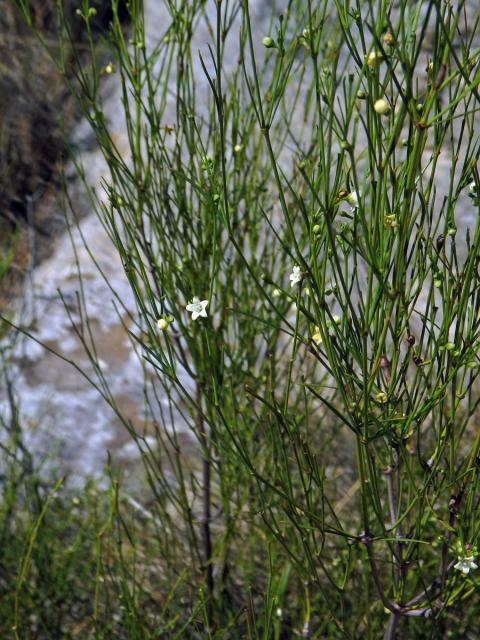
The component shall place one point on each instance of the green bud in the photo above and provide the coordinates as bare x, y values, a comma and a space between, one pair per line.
268, 42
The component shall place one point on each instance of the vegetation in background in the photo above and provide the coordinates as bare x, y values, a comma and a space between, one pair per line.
308, 297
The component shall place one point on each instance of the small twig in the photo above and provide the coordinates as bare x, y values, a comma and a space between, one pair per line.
392, 625
206, 497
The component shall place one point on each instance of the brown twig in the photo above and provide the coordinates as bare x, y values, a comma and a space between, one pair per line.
206, 499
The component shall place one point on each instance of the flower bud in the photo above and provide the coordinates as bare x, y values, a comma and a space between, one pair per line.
381, 106
374, 58
162, 324
390, 221
268, 42
440, 242
388, 39
381, 397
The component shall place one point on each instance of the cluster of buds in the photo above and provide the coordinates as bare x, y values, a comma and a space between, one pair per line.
331, 330
91, 12
381, 397
390, 221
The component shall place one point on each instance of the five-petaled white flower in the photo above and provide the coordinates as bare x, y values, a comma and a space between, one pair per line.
197, 308
295, 276
465, 564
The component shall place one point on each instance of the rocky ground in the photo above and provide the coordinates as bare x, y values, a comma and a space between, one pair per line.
37, 115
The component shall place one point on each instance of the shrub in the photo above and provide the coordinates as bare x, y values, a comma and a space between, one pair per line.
305, 270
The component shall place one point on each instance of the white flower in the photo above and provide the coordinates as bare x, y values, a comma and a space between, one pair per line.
295, 276
472, 188
465, 564
352, 199
197, 308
